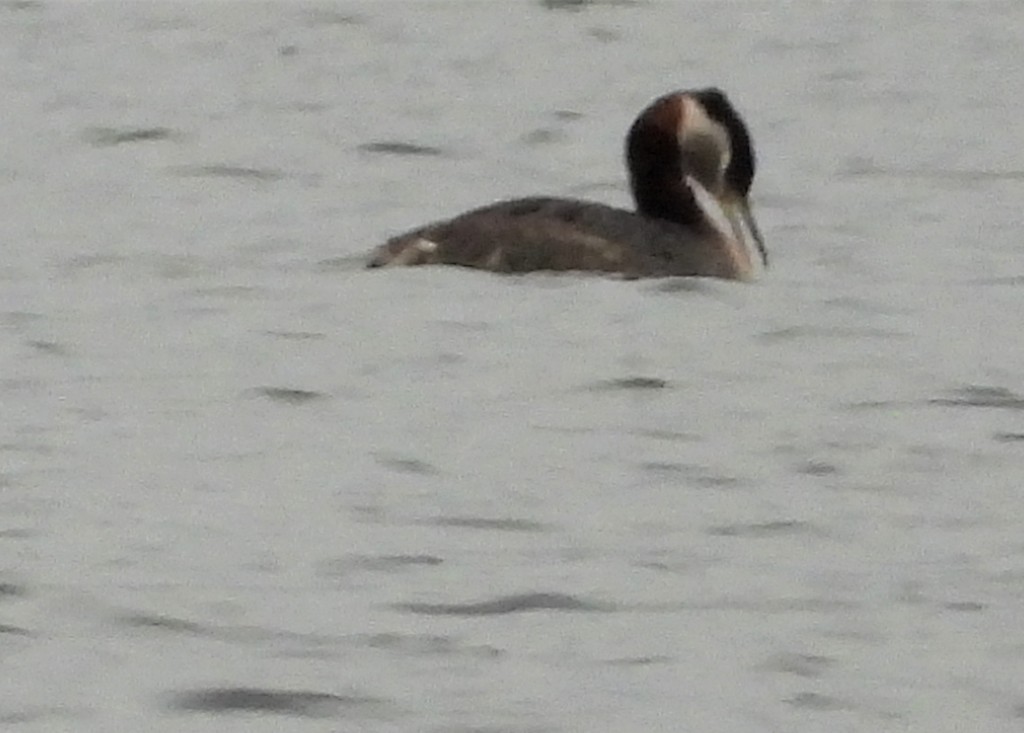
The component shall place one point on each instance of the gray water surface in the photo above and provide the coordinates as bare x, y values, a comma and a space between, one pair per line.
247, 485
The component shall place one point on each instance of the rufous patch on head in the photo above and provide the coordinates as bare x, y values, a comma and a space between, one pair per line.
667, 113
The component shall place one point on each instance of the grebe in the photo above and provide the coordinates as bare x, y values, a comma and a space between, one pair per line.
684, 149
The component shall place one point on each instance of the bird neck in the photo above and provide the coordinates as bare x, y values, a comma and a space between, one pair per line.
666, 196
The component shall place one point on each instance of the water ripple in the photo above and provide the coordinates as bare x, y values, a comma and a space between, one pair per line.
223, 170
103, 137
14, 630
407, 464
500, 524
10, 589
219, 700
629, 383
342, 566
858, 167
801, 665
1008, 437
22, 5
982, 396
519, 603
765, 529
161, 622
289, 395
798, 333
817, 701
397, 147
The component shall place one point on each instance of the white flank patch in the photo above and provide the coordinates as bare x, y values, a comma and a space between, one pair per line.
426, 246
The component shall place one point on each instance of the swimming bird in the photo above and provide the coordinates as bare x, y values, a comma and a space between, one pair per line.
687, 152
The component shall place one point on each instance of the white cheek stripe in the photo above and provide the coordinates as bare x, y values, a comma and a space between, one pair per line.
695, 121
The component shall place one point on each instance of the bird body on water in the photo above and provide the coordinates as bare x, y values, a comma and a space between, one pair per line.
687, 153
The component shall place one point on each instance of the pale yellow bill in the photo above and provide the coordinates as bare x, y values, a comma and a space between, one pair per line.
730, 213
737, 210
